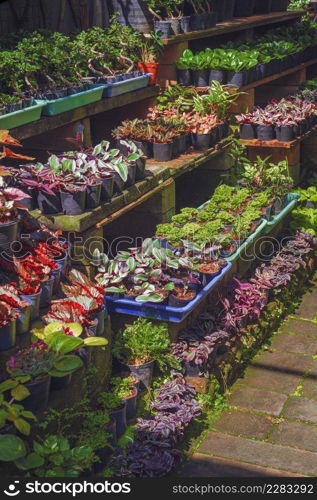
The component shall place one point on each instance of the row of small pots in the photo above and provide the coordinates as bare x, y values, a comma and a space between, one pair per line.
204, 77
24, 103
167, 151
91, 197
287, 133
172, 27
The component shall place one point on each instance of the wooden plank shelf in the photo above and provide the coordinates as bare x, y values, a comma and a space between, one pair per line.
237, 24
47, 123
256, 143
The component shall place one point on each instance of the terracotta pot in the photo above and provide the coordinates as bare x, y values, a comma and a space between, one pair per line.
149, 68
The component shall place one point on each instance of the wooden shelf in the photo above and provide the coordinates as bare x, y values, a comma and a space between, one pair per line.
238, 24
256, 143
47, 123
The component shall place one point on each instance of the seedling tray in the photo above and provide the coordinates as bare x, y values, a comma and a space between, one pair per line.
250, 239
21, 117
291, 202
158, 311
119, 88
58, 106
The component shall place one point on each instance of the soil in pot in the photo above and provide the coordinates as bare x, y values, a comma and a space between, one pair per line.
107, 187
201, 141
48, 203
265, 132
163, 151
93, 195
201, 77
247, 131
8, 336
73, 203
120, 417
217, 75
181, 297
144, 372
39, 389
184, 77
285, 134
34, 301
8, 234
208, 272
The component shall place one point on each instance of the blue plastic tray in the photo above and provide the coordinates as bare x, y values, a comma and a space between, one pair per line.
158, 311
118, 88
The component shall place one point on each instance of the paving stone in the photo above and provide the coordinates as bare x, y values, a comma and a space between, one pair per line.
265, 378
310, 382
294, 343
295, 434
283, 362
258, 400
308, 309
299, 327
302, 409
205, 466
244, 424
260, 453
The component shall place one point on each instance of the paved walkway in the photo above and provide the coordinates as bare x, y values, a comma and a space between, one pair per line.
270, 428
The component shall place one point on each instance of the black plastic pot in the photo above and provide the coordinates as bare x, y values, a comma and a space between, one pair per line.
56, 274
173, 301
34, 301
140, 169
229, 13
191, 369
247, 131
285, 134
175, 25
131, 175
236, 78
118, 185
93, 196
244, 8
201, 77
37, 401
120, 417
197, 22
107, 188
176, 146
131, 405
101, 322
146, 147
184, 23
73, 203
47, 292
217, 75
211, 20
163, 151
265, 132
49, 204
8, 234
184, 77
164, 27
30, 203
263, 6
201, 141
8, 336
59, 383
144, 372
279, 5
23, 321
105, 453
182, 144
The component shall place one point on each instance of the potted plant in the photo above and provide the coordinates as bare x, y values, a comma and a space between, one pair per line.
150, 50
167, 14
13, 415
124, 388
117, 410
138, 346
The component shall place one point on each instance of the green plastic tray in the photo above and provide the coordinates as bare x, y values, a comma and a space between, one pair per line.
21, 117
74, 101
291, 202
250, 239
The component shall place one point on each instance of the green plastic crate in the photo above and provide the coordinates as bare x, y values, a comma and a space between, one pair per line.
21, 117
74, 101
291, 202
253, 236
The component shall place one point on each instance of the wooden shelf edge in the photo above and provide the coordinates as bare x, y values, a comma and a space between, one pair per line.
239, 24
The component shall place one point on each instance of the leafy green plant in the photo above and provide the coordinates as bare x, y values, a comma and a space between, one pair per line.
109, 401
10, 411
122, 387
